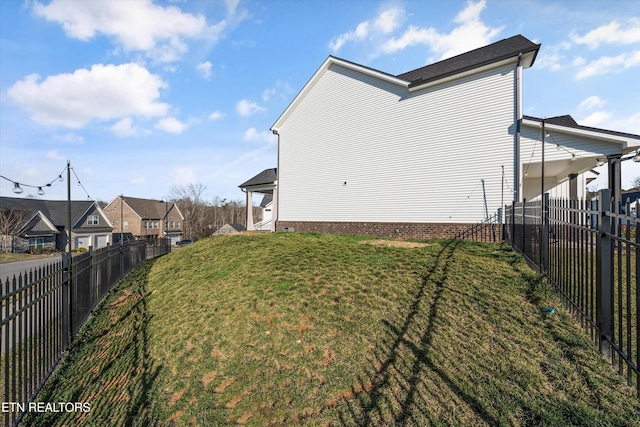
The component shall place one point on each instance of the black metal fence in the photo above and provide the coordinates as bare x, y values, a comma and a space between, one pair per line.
589, 251
43, 309
489, 230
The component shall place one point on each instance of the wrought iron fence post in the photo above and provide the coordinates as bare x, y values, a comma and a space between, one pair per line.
544, 244
66, 285
524, 225
604, 285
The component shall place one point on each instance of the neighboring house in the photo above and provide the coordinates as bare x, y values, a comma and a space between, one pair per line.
145, 219
37, 225
264, 183
427, 152
229, 229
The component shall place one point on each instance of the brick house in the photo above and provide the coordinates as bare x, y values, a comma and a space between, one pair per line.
144, 219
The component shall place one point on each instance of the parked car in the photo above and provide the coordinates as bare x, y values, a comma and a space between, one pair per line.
185, 242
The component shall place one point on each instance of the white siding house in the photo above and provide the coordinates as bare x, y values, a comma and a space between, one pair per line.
421, 154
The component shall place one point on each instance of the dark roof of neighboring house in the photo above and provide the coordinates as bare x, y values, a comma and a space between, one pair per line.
148, 208
267, 176
268, 198
55, 210
485, 55
568, 121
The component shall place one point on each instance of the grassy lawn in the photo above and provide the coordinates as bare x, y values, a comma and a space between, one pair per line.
304, 329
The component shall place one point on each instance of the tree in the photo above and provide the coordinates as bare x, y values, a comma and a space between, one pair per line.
635, 183
10, 220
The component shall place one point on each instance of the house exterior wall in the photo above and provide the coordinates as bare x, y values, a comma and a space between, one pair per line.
360, 150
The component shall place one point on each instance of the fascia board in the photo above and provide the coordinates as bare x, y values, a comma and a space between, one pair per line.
102, 214
44, 218
320, 72
463, 74
624, 142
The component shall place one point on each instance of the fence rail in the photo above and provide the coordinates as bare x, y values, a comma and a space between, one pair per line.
589, 251
489, 230
44, 308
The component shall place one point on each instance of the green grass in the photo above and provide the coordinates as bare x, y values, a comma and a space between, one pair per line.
304, 329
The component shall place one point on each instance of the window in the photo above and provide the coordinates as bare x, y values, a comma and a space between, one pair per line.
36, 243
177, 224
155, 224
126, 224
93, 220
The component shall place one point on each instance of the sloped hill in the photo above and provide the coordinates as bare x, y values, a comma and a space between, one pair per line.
303, 329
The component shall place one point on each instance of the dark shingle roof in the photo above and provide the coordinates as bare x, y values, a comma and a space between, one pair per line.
55, 210
494, 52
267, 176
268, 198
147, 208
568, 121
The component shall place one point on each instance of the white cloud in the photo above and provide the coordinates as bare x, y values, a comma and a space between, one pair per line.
609, 64
135, 25
387, 21
470, 33
252, 134
612, 33
124, 128
70, 138
104, 92
268, 93
282, 89
247, 108
596, 119
592, 102
54, 155
216, 115
183, 175
613, 121
204, 68
171, 125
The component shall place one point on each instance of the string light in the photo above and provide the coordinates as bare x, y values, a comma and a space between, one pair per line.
18, 186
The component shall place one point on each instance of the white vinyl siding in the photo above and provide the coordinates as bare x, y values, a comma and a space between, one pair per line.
405, 157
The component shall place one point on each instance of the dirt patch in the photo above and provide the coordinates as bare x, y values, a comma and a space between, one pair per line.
395, 243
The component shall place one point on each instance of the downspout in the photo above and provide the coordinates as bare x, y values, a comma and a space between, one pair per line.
518, 118
276, 211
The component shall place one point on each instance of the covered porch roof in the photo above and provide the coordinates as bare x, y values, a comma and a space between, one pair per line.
571, 149
264, 182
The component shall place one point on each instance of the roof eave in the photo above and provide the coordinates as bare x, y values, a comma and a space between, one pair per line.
526, 61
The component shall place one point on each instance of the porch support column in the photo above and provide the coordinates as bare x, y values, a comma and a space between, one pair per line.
573, 186
274, 209
615, 179
249, 211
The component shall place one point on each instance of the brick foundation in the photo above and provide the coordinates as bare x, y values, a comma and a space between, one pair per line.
399, 230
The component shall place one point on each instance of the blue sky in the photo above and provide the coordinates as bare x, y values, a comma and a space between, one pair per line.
143, 95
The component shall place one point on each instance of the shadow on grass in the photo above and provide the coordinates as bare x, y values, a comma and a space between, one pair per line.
461, 356
376, 402
109, 365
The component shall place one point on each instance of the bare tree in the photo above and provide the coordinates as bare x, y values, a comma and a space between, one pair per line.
190, 201
9, 222
635, 183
